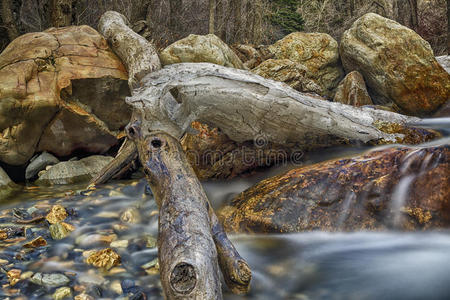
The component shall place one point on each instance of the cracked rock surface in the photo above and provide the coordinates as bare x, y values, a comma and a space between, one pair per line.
52, 86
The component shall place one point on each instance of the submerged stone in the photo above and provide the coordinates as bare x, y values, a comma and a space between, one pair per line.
50, 280
57, 214
61, 293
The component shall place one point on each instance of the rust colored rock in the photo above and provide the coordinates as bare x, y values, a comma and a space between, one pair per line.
57, 214
352, 90
106, 258
400, 187
212, 154
63, 87
37, 242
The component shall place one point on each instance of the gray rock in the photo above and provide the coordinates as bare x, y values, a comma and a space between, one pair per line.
70, 172
50, 280
7, 186
40, 163
444, 61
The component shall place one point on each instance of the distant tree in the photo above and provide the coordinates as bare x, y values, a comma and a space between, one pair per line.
212, 17
61, 13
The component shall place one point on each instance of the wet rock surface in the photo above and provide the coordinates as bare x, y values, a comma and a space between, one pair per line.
52, 86
70, 172
395, 188
397, 64
201, 48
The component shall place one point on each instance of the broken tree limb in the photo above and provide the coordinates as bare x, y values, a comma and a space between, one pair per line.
235, 270
125, 157
246, 106
187, 253
139, 56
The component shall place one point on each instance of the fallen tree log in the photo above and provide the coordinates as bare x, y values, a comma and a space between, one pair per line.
246, 106
187, 248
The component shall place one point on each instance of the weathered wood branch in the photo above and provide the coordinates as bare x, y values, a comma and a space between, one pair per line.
125, 157
246, 106
139, 56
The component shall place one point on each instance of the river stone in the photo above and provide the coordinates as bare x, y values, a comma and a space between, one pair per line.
58, 231
40, 163
444, 61
62, 293
62, 88
201, 48
318, 52
358, 193
397, 64
70, 172
352, 90
293, 74
49, 280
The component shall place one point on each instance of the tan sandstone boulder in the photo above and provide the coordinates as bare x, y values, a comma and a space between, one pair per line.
201, 48
399, 187
63, 87
352, 90
318, 52
397, 64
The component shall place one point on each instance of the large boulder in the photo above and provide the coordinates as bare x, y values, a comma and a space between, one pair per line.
399, 187
61, 90
201, 48
397, 64
352, 90
318, 52
69, 172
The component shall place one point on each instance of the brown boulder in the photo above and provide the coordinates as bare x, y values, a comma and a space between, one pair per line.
352, 90
400, 187
51, 78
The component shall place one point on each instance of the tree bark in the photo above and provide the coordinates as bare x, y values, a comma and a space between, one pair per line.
212, 15
61, 13
246, 107
8, 20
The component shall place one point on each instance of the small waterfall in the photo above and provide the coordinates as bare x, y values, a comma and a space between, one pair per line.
398, 199
350, 198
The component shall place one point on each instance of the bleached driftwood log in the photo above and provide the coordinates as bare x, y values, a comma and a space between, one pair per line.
246, 106
190, 234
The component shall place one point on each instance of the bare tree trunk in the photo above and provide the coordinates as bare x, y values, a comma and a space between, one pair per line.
352, 7
8, 20
235, 7
448, 27
212, 15
61, 13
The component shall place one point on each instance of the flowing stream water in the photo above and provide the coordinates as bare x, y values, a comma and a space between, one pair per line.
310, 265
